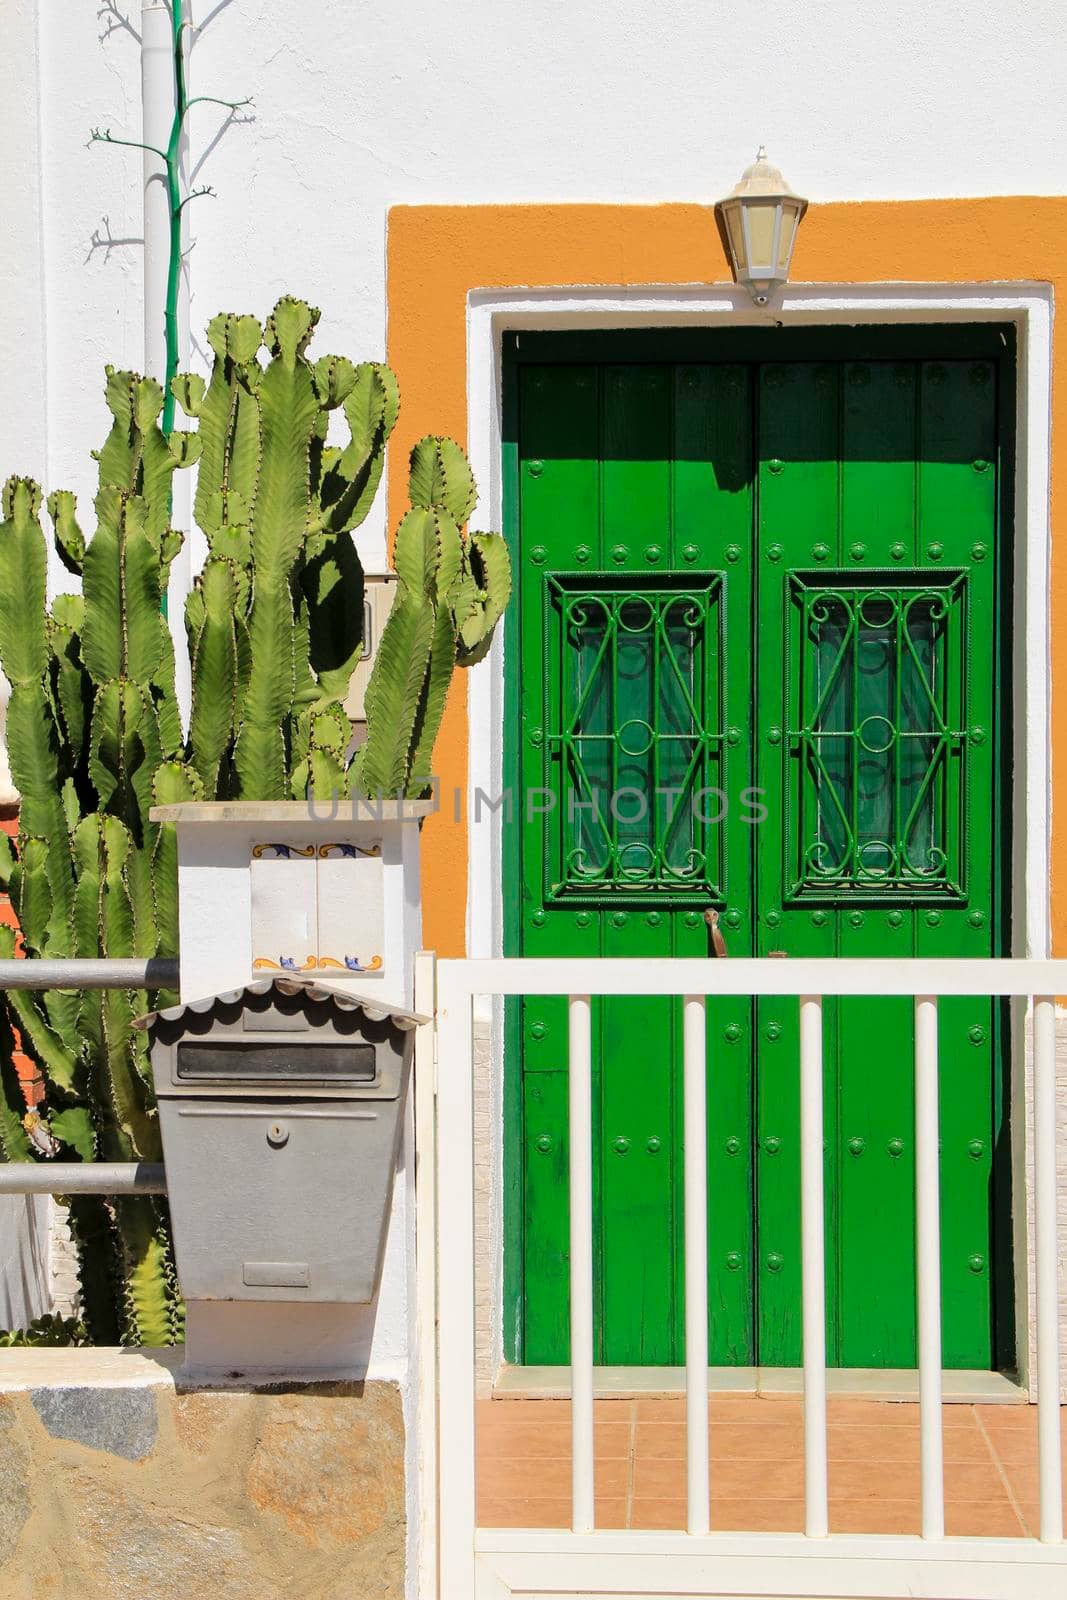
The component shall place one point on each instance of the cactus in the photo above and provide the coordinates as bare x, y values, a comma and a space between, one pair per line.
273, 630
451, 593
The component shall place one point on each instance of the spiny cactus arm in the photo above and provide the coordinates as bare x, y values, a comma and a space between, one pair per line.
184, 447
259, 755
158, 457
72, 687
73, 1125
121, 585
115, 751
393, 695
170, 543
428, 556
23, 578
33, 752
147, 1272
490, 565
117, 457
321, 772
305, 688
135, 457
14, 1140
440, 476
331, 580
31, 894
40, 1040
214, 664
165, 696
69, 539
141, 889
93, 1230
432, 703
8, 861
289, 410
228, 422
351, 477
174, 781
129, 1127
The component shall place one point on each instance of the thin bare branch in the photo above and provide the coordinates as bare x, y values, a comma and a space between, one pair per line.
195, 194
105, 136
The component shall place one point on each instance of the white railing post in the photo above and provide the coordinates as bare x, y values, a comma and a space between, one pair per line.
813, 1268
455, 1244
928, 1265
425, 1156
1050, 1467
695, 1134
580, 1092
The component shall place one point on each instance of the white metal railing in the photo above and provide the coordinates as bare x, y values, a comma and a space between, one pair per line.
475, 1562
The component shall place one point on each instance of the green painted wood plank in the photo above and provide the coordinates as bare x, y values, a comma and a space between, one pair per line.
799, 491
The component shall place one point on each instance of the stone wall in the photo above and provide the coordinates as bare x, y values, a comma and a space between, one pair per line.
115, 1481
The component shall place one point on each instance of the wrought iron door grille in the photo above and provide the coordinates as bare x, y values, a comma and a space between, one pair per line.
876, 749
635, 760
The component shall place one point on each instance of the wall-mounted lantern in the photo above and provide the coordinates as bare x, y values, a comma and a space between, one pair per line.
761, 218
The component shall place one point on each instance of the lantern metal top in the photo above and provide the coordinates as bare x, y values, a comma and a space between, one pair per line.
762, 181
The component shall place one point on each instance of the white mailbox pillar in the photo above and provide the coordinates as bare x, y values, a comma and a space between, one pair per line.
329, 889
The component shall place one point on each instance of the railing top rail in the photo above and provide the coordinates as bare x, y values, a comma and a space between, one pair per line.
515, 975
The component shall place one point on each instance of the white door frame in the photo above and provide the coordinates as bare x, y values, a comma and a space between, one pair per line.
493, 312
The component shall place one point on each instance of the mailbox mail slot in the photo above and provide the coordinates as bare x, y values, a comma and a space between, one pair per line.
280, 1109
297, 1064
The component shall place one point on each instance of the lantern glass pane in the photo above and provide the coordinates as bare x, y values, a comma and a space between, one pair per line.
736, 236
790, 218
760, 216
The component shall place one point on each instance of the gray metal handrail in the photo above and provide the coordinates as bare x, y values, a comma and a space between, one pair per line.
82, 1177
101, 972
86, 1177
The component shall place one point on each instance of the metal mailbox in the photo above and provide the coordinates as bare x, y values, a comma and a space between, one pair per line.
280, 1108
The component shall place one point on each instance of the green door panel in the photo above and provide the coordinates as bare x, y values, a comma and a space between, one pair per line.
757, 570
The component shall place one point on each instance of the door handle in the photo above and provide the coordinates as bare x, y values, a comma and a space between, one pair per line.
718, 942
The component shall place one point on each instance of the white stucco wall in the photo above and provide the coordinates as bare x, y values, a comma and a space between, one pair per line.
358, 107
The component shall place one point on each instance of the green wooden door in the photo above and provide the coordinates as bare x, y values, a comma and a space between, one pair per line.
754, 665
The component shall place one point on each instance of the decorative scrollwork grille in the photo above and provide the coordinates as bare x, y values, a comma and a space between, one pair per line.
635, 760
877, 741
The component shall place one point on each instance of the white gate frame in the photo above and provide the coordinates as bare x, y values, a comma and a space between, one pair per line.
490, 1564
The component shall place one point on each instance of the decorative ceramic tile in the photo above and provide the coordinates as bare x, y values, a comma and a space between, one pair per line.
284, 931
351, 935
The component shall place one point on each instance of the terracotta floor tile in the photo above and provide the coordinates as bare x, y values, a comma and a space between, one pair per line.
767, 1441
497, 1409
857, 1441
1030, 1512
725, 1408
895, 1413
729, 1515
737, 1480
533, 1440
502, 1511
877, 1480
1023, 1481
546, 1478
1008, 1419
983, 1519
849, 1515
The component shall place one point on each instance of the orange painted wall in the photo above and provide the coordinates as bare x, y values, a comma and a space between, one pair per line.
437, 254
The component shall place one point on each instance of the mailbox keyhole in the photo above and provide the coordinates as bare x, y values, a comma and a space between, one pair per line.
277, 1134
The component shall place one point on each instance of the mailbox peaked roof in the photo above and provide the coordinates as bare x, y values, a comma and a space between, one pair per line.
337, 994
